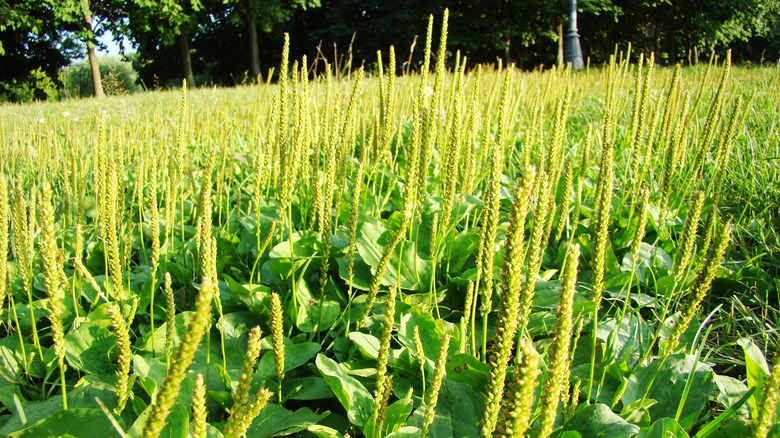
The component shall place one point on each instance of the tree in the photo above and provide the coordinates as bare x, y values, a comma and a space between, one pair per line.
266, 14
32, 51
167, 22
89, 19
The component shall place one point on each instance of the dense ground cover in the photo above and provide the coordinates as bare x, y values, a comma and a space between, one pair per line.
580, 253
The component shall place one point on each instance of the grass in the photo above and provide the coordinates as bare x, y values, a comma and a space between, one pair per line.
342, 191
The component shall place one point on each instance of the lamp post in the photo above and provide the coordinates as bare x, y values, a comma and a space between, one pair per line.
572, 53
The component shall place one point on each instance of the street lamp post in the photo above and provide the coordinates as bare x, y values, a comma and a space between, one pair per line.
572, 53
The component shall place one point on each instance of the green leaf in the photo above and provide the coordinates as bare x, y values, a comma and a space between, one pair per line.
465, 368
730, 429
727, 420
598, 420
637, 413
274, 420
405, 432
306, 246
11, 358
431, 334
324, 431
664, 428
78, 422
87, 349
150, 368
664, 381
236, 326
458, 412
757, 372
405, 269
180, 322
649, 257
255, 297
396, 415
460, 249
307, 388
361, 272
626, 341
80, 397
355, 398
314, 315
295, 355
730, 390
368, 344
177, 424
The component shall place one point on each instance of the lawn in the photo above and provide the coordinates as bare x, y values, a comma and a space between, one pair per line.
453, 253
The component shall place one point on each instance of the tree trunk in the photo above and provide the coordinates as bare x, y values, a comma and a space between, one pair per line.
97, 83
254, 47
560, 46
507, 51
184, 54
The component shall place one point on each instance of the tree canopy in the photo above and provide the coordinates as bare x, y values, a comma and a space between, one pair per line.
236, 41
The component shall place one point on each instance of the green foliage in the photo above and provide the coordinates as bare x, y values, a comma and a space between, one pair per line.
37, 85
223, 162
117, 75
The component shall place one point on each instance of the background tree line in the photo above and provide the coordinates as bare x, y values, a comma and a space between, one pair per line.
225, 42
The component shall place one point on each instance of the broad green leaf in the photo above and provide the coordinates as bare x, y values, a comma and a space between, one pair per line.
11, 359
80, 397
722, 421
23, 315
548, 293
236, 326
664, 428
324, 431
405, 432
177, 424
757, 372
307, 388
396, 415
598, 420
458, 412
665, 378
637, 413
151, 368
730, 390
431, 334
626, 341
78, 422
361, 272
255, 297
355, 398
649, 257
608, 380
157, 342
731, 429
459, 250
306, 246
295, 355
275, 420
314, 314
87, 349
406, 269
465, 368
367, 344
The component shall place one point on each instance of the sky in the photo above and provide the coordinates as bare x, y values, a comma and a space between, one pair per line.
113, 48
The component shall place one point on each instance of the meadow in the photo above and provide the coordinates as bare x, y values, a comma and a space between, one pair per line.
456, 252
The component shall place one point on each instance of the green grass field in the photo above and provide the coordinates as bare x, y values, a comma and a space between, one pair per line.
461, 253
